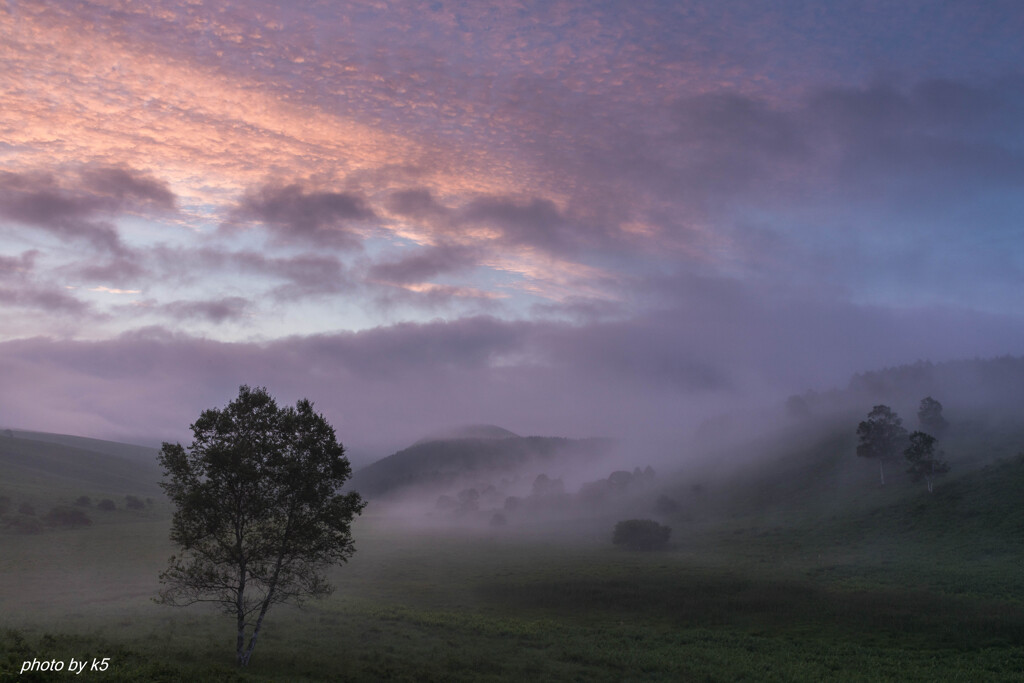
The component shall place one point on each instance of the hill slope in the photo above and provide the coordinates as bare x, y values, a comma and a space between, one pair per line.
49, 467
434, 463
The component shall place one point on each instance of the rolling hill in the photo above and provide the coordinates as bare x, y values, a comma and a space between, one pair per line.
438, 462
51, 465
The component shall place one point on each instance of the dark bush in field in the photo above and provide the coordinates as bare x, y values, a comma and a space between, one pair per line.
26, 509
641, 534
107, 505
666, 505
65, 515
84, 501
134, 503
23, 524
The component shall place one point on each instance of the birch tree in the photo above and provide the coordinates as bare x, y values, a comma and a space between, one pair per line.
259, 515
924, 463
881, 437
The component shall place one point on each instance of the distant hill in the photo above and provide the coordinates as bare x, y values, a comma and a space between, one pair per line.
55, 464
471, 432
124, 450
990, 390
439, 462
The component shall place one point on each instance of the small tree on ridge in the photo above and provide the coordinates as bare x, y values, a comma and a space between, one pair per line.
923, 462
881, 437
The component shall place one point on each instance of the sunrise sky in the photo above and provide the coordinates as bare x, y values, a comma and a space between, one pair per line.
568, 218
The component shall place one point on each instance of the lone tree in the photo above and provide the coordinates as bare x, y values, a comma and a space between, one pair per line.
929, 416
923, 462
259, 516
881, 437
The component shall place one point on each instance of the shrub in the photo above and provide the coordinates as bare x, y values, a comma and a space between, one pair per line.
84, 501
641, 534
107, 505
65, 515
134, 503
23, 524
666, 505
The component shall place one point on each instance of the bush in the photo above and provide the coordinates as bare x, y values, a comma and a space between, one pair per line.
666, 505
107, 505
65, 515
641, 534
23, 524
84, 501
134, 503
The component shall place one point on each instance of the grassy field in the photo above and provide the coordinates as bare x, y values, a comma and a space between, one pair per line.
903, 586
758, 605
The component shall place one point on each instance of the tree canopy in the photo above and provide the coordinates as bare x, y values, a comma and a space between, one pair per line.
924, 463
259, 515
929, 416
881, 437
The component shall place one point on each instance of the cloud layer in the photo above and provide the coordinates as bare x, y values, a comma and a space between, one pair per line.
467, 211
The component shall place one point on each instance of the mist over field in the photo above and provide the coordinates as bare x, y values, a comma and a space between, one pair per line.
599, 297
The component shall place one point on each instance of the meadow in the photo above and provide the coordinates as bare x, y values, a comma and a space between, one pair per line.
901, 586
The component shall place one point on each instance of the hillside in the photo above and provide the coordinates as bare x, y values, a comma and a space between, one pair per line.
440, 462
50, 466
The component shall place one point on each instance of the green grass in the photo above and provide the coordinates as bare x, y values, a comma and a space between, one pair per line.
432, 606
892, 585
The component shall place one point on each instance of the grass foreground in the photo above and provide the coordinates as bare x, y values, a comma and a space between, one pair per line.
744, 603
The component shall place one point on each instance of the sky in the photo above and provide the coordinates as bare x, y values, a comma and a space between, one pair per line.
564, 217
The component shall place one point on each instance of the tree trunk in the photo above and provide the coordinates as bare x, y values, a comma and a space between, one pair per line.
240, 614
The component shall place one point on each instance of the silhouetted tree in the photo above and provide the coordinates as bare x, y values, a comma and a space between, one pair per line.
881, 437
258, 513
929, 416
23, 524
641, 534
134, 503
924, 464
545, 486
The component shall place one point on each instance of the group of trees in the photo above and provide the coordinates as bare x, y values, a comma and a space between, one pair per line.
882, 437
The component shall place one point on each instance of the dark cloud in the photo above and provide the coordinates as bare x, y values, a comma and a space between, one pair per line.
19, 287
536, 222
116, 271
301, 275
652, 373
215, 311
522, 221
415, 203
46, 299
295, 215
426, 263
127, 187
76, 206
